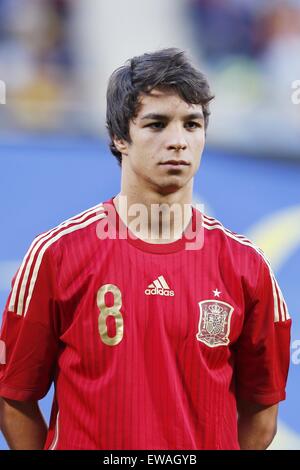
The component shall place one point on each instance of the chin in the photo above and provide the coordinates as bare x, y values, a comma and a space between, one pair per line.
169, 187
170, 183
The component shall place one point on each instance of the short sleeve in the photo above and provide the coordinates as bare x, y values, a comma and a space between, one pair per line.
29, 330
263, 350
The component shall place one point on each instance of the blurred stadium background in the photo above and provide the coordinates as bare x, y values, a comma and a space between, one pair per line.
55, 59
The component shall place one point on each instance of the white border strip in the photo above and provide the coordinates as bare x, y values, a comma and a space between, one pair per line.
56, 434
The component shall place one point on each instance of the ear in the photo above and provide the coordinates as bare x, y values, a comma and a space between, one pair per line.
121, 145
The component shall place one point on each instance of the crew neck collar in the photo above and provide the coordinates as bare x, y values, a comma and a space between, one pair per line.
187, 237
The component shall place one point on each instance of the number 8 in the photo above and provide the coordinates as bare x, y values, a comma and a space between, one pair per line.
114, 311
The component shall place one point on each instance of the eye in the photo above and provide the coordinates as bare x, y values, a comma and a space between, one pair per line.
193, 125
156, 125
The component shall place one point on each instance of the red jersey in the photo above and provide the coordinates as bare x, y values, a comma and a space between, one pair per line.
148, 345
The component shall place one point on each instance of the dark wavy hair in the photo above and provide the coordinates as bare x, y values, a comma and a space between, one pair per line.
166, 68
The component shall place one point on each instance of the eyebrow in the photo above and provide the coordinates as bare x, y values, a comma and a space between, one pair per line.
165, 117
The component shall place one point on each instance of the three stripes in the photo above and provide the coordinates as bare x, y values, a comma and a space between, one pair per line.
160, 282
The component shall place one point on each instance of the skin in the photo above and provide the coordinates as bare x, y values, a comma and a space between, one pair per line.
166, 128
145, 179
22, 424
257, 425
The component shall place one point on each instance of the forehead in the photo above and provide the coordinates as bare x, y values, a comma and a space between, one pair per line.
165, 101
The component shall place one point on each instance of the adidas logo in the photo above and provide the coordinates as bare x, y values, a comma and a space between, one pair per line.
159, 287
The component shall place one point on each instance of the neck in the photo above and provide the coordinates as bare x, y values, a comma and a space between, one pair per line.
153, 216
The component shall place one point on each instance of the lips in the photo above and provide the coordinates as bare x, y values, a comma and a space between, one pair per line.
175, 162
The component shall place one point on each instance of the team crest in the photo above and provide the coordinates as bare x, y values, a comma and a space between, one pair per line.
214, 323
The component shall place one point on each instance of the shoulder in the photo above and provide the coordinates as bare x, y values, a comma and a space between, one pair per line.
73, 230
44, 258
249, 260
234, 239
234, 242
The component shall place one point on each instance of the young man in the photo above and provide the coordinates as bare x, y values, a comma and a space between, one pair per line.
169, 333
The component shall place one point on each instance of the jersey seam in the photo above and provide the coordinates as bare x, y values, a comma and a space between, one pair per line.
244, 389
5, 385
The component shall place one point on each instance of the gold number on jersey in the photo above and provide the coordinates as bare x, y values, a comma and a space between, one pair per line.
114, 311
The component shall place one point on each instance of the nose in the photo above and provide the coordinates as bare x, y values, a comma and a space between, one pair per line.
176, 140
177, 147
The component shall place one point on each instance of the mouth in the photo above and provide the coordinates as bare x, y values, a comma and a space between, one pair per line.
173, 163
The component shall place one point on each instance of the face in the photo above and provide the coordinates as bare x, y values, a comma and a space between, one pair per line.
167, 140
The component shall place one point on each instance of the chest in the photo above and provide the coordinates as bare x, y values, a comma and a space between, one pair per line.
142, 298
